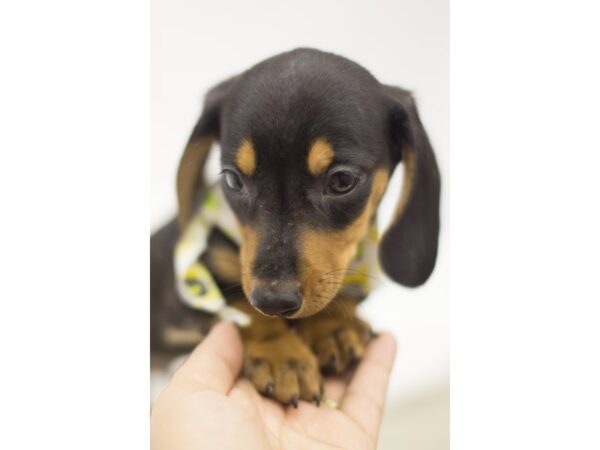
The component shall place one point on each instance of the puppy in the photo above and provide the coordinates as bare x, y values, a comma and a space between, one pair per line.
308, 143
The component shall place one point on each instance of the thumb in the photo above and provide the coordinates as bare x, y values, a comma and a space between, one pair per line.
215, 363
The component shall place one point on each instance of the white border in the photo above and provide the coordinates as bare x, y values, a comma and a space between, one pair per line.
74, 202
525, 225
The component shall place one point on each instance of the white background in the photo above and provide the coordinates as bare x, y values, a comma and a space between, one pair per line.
405, 43
74, 190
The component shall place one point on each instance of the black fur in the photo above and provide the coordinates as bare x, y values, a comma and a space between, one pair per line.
282, 105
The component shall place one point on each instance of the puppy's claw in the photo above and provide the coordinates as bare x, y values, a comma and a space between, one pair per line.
329, 367
294, 401
288, 370
268, 392
317, 399
353, 356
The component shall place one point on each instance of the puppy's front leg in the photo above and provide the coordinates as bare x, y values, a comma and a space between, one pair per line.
336, 335
277, 361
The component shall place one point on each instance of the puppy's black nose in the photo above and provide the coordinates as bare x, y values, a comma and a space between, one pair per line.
276, 300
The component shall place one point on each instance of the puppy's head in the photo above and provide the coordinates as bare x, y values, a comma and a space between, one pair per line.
309, 141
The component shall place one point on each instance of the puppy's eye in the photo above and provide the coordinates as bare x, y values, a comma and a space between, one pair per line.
233, 181
341, 182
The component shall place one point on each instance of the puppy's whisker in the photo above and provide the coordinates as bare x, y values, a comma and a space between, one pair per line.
345, 311
364, 274
376, 280
232, 288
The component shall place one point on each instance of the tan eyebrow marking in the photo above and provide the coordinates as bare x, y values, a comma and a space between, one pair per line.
246, 158
320, 156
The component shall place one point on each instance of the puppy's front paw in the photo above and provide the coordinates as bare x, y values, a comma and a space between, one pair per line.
338, 342
283, 367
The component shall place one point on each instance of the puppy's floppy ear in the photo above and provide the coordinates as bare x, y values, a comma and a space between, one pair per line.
408, 249
190, 175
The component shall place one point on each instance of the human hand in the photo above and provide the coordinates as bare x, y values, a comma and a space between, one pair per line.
205, 406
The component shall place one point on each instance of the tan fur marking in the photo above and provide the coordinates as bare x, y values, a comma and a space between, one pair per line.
269, 346
326, 256
262, 326
225, 263
407, 182
190, 176
248, 250
320, 156
336, 330
246, 158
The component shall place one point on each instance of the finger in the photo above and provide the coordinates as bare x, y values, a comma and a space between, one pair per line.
334, 390
335, 387
365, 395
216, 361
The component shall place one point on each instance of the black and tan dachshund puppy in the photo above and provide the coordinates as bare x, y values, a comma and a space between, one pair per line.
308, 143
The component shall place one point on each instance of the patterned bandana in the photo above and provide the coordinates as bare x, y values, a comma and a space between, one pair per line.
197, 287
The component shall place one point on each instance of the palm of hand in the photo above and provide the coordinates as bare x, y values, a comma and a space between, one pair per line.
201, 408
271, 425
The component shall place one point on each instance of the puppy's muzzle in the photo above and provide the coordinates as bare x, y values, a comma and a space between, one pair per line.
276, 298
